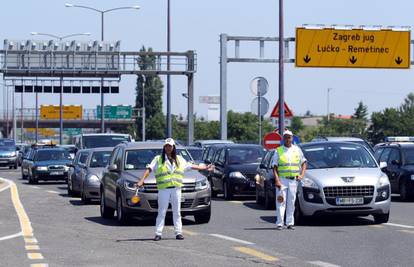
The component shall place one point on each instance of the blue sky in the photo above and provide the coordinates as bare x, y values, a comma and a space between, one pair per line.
196, 25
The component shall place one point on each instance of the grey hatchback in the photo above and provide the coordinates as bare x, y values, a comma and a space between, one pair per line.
127, 163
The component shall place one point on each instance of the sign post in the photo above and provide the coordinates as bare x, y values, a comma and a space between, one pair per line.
353, 48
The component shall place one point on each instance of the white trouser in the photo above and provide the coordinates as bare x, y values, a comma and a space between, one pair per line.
288, 191
164, 196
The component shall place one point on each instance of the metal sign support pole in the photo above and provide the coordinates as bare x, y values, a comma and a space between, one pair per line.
37, 115
143, 108
259, 95
223, 86
14, 113
281, 72
190, 111
21, 117
61, 112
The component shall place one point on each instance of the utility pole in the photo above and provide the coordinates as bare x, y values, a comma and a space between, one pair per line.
281, 72
327, 105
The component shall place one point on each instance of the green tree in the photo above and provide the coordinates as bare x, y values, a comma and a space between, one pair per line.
361, 112
244, 127
152, 87
297, 125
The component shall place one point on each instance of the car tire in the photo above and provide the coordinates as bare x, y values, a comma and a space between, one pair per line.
70, 192
121, 216
381, 218
24, 177
84, 199
32, 180
213, 192
259, 199
404, 193
15, 166
10, 167
106, 212
203, 217
228, 194
269, 205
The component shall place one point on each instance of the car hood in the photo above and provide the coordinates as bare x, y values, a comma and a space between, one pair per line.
337, 176
190, 176
408, 168
96, 171
6, 152
52, 162
243, 168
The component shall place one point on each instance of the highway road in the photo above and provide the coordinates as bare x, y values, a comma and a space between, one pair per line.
41, 226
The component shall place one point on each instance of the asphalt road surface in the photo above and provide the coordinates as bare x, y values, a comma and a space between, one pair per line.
41, 226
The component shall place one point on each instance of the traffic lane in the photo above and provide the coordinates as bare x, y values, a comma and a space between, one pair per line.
325, 239
75, 234
402, 212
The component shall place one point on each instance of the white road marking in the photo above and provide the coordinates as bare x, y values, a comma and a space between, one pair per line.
52, 192
400, 225
10, 236
232, 239
35, 187
7, 186
323, 264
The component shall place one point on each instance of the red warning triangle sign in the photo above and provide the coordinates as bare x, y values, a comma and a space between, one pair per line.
275, 112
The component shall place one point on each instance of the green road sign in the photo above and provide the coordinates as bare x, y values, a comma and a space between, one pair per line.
115, 112
72, 131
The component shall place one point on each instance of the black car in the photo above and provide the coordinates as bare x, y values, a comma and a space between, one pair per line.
399, 159
265, 182
196, 153
48, 164
208, 156
235, 169
76, 171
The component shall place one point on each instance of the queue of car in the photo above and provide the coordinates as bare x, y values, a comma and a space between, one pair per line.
344, 177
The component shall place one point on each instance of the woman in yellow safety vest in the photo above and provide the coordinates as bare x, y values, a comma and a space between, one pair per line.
169, 171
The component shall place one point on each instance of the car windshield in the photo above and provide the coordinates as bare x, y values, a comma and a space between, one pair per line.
408, 156
100, 159
104, 140
245, 155
7, 145
138, 159
196, 154
321, 156
46, 155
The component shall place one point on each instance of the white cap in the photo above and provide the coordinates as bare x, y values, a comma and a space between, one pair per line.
287, 132
169, 141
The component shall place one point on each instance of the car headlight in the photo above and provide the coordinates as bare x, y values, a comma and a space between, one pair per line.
93, 179
236, 175
131, 186
13, 154
66, 168
201, 184
412, 177
306, 182
41, 168
384, 181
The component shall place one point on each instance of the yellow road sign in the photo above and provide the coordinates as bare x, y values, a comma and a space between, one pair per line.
353, 48
69, 112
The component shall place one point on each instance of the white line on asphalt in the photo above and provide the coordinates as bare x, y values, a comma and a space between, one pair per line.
232, 239
323, 264
400, 225
52, 192
35, 187
7, 187
10, 236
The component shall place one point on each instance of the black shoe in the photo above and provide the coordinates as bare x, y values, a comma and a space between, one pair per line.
157, 238
179, 237
291, 227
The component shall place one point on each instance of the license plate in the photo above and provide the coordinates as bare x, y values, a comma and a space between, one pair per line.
56, 173
3, 161
252, 183
349, 200
182, 199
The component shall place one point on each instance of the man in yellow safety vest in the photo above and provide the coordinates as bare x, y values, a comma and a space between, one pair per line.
169, 171
289, 166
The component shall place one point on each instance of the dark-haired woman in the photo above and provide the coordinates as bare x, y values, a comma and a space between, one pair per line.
169, 171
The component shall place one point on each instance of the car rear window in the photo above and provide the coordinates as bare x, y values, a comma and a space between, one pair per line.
138, 159
100, 159
245, 155
46, 155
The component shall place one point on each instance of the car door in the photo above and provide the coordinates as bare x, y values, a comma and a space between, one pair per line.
25, 162
79, 169
220, 168
30, 162
384, 158
112, 177
263, 172
394, 167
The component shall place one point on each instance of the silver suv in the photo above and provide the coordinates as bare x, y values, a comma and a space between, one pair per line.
342, 178
127, 163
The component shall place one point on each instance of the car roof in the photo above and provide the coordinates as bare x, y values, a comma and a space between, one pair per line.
395, 144
144, 145
103, 134
213, 141
194, 148
329, 142
237, 145
338, 138
101, 149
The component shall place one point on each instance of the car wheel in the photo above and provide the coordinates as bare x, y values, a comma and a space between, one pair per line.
121, 215
381, 218
213, 192
404, 194
70, 192
268, 203
84, 199
32, 180
24, 177
15, 166
228, 194
259, 199
203, 217
10, 167
106, 212
298, 215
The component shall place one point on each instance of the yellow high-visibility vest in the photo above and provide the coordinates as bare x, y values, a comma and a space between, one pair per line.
165, 178
286, 168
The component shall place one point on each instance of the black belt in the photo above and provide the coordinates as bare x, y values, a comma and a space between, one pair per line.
290, 177
170, 187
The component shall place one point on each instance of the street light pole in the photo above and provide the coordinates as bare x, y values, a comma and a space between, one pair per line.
102, 12
281, 72
327, 104
169, 120
143, 108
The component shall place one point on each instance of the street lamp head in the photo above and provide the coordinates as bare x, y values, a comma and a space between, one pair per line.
68, 5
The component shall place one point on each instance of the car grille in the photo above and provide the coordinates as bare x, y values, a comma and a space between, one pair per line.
250, 176
349, 191
187, 188
56, 168
186, 204
5, 156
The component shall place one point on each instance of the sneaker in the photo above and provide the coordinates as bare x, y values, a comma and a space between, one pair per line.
179, 237
279, 227
157, 238
291, 227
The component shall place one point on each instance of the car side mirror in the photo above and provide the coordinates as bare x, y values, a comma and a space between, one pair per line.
113, 168
395, 162
383, 165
